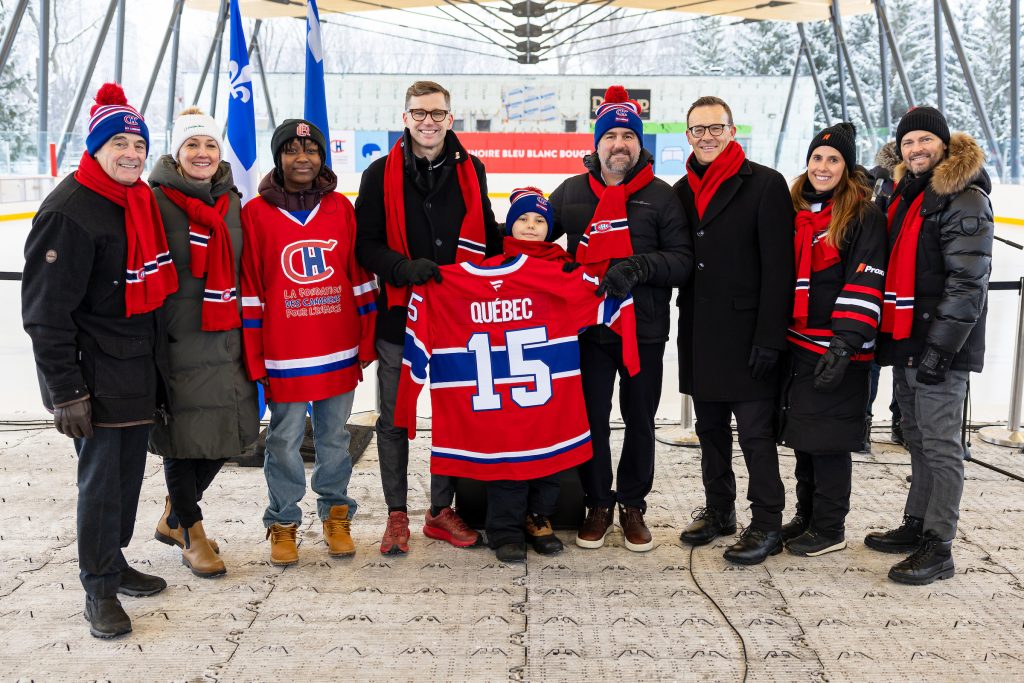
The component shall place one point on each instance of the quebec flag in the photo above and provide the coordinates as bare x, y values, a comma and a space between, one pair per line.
316, 99
240, 150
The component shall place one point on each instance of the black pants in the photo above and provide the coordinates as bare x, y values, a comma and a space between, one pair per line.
755, 422
600, 363
187, 480
823, 490
110, 469
509, 501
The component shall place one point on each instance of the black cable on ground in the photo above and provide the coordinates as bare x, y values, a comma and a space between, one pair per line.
743, 642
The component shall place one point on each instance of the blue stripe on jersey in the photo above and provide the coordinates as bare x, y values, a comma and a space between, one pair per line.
416, 357
252, 322
368, 308
460, 366
313, 370
585, 439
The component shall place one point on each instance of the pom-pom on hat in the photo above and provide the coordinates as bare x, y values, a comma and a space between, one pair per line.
843, 138
618, 111
112, 115
524, 200
190, 123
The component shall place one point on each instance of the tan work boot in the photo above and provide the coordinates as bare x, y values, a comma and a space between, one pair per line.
283, 550
197, 554
338, 532
165, 534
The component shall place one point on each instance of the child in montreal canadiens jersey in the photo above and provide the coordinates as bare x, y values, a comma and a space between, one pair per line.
505, 364
308, 313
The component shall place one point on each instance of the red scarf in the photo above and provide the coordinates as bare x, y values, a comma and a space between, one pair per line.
472, 238
725, 166
813, 253
607, 235
150, 275
212, 257
545, 251
898, 305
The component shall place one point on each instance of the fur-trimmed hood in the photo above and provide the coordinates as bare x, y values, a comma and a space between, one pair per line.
964, 164
888, 156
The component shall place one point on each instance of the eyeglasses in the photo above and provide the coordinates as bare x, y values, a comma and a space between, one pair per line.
438, 115
716, 130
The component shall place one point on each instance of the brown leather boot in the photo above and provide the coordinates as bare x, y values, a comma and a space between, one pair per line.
165, 534
635, 533
595, 527
338, 532
197, 554
283, 550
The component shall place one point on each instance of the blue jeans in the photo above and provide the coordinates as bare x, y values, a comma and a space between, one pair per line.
283, 466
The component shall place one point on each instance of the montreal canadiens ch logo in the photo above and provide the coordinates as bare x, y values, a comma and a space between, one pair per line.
601, 226
304, 262
302, 130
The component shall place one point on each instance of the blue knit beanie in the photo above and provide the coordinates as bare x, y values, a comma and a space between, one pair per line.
112, 115
618, 111
527, 199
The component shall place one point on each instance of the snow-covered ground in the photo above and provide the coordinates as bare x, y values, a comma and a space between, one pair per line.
19, 393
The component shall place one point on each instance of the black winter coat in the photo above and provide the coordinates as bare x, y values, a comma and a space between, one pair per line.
954, 261
657, 229
73, 308
741, 294
434, 210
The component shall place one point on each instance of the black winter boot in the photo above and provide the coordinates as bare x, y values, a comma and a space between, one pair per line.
106, 617
932, 560
707, 525
905, 539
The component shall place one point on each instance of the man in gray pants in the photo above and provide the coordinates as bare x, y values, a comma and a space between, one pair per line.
933, 327
412, 217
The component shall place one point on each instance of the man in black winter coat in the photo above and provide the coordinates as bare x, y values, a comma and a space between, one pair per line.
732, 326
662, 258
933, 327
431, 184
95, 346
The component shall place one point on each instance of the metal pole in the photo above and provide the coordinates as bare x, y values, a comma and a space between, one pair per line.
979, 106
266, 88
217, 36
883, 68
119, 43
1012, 436
76, 104
216, 61
940, 58
814, 74
252, 38
854, 80
789, 103
834, 13
12, 33
1015, 91
175, 14
683, 434
172, 86
897, 58
43, 86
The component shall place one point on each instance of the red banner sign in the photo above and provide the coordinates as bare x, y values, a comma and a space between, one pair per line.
529, 152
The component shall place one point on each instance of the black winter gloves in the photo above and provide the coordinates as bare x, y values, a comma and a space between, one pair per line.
933, 366
762, 361
74, 420
828, 373
416, 272
622, 277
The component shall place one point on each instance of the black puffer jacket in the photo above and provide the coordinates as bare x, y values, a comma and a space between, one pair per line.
434, 210
954, 261
73, 308
657, 229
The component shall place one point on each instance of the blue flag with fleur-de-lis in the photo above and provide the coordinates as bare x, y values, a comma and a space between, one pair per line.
316, 98
240, 147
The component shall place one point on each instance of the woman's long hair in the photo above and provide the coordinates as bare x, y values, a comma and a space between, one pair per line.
849, 201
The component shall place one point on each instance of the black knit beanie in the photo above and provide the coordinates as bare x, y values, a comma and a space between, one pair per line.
922, 118
842, 137
292, 129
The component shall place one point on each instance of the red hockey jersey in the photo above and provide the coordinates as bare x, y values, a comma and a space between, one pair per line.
308, 309
504, 362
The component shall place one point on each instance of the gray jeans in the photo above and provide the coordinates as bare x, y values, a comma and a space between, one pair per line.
393, 442
932, 417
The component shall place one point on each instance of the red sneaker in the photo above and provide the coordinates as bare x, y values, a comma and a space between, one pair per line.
396, 534
448, 526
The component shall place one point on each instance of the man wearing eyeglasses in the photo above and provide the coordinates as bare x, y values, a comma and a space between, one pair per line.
732, 326
618, 216
422, 206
